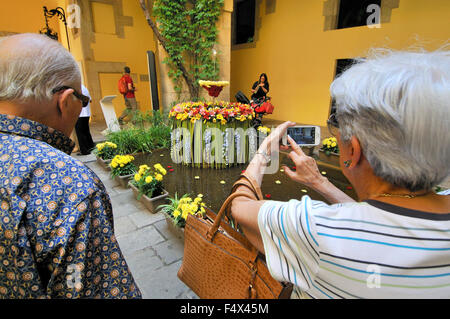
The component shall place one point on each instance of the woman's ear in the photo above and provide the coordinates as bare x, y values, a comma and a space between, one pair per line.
355, 152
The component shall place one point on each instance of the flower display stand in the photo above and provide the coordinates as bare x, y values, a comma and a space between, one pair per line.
104, 163
175, 230
123, 180
150, 203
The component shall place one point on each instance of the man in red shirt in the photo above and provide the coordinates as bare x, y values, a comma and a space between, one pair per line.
129, 97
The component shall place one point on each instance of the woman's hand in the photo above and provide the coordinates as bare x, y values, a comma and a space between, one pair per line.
306, 172
271, 143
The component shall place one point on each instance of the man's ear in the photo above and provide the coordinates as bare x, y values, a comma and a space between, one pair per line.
355, 151
63, 101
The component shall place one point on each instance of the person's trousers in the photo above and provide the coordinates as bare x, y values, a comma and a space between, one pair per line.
131, 105
84, 135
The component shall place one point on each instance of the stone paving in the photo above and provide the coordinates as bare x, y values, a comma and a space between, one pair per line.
152, 252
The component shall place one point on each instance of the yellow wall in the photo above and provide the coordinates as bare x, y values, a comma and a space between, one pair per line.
299, 57
131, 50
23, 16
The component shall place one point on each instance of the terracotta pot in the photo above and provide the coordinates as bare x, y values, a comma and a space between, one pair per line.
332, 159
175, 230
150, 203
123, 180
104, 163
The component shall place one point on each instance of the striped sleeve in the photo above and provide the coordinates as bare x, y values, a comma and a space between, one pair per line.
290, 241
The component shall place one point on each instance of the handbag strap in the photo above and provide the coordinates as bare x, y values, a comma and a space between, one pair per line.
250, 183
218, 219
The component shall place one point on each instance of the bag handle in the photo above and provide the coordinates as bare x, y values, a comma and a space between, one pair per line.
217, 221
249, 182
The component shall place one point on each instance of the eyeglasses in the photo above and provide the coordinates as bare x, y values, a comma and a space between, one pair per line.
333, 124
83, 98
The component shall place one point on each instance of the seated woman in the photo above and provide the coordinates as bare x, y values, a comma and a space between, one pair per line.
391, 124
260, 88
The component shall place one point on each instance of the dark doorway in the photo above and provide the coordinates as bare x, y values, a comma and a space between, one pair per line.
245, 21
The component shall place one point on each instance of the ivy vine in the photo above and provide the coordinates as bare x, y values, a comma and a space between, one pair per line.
190, 33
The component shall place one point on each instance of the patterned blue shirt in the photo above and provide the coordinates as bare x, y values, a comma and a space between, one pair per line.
56, 224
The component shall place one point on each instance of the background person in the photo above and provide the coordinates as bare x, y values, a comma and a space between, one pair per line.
56, 228
85, 142
391, 126
260, 88
129, 97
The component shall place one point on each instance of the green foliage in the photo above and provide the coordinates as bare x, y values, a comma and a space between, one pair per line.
152, 131
148, 181
189, 28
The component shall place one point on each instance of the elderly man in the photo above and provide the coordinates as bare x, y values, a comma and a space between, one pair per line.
56, 224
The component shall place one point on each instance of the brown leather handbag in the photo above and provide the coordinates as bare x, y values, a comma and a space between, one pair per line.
220, 263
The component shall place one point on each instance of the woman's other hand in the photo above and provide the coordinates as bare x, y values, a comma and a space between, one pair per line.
306, 172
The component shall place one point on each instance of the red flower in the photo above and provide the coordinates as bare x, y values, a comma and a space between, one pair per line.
349, 187
243, 172
168, 166
268, 196
171, 170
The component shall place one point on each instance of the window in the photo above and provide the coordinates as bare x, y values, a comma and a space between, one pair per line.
341, 66
103, 18
353, 13
245, 21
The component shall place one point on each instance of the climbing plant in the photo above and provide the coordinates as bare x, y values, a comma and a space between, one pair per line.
187, 31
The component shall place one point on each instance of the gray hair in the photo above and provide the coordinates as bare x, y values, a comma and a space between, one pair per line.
34, 67
397, 105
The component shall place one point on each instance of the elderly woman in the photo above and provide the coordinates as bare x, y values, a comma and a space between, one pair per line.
392, 123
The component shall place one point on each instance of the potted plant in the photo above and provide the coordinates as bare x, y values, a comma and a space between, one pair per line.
147, 186
178, 209
329, 152
104, 153
122, 168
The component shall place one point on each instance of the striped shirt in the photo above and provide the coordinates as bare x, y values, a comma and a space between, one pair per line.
356, 250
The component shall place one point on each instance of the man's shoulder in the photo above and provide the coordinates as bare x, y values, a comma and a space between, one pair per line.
35, 159
128, 78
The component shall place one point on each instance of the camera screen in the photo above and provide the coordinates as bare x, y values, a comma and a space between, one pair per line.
302, 135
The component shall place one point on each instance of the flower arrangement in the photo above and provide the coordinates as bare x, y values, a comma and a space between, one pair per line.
106, 150
179, 208
213, 87
214, 112
148, 181
122, 165
213, 83
264, 130
329, 145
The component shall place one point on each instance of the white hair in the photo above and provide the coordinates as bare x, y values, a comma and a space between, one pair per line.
34, 66
397, 105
